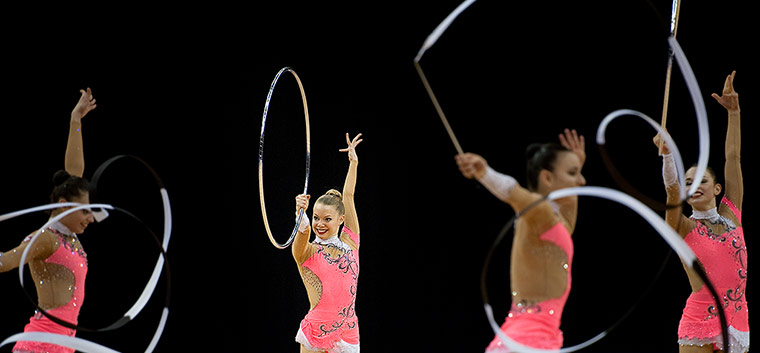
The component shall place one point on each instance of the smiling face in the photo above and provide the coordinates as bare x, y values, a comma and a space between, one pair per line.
704, 197
77, 221
326, 220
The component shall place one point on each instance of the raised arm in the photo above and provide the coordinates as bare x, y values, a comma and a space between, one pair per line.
674, 216
576, 143
733, 171
300, 247
74, 160
352, 220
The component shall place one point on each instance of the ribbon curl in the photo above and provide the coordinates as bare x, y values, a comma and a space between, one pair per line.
162, 265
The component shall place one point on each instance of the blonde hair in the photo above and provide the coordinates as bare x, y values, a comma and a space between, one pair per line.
333, 198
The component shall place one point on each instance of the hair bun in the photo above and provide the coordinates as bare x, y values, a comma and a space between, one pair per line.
60, 177
532, 149
335, 193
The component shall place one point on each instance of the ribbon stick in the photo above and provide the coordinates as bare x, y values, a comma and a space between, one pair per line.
673, 29
431, 39
438, 108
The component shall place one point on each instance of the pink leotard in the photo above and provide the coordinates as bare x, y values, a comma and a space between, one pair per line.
537, 325
724, 257
75, 260
332, 324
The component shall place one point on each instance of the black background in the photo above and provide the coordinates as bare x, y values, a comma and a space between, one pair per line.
184, 89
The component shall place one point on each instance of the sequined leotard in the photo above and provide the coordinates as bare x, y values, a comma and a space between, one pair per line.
330, 272
537, 324
724, 257
73, 259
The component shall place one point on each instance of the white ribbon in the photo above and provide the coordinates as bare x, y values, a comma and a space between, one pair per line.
668, 234
78, 343
433, 37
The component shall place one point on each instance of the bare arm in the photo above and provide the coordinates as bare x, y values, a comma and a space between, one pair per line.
352, 220
576, 143
504, 187
42, 248
733, 171
74, 160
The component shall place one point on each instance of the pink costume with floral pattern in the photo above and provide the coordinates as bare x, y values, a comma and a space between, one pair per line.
537, 325
724, 258
75, 260
332, 324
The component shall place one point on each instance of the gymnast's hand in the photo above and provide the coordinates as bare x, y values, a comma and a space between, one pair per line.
85, 105
302, 202
351, 149
657, 139
575, 143
729, 99
471, 165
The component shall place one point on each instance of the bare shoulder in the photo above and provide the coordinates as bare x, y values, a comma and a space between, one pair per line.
540, 218
303, 252
728, 212
350, 238
45, 244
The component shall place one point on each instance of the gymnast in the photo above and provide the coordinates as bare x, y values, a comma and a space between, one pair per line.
57, 261
542, 249
716, 236
329, 266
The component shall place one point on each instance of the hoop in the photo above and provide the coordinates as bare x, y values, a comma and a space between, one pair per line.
261, 159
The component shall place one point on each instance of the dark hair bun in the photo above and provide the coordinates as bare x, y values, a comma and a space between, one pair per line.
60, 177
532, 149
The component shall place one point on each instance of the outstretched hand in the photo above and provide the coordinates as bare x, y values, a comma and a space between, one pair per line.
85, 104
471, 165
575, 143
729, 99
351, 149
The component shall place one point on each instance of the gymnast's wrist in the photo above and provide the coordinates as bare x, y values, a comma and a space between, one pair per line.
669, 176
303, 226
488, 174
497, 183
